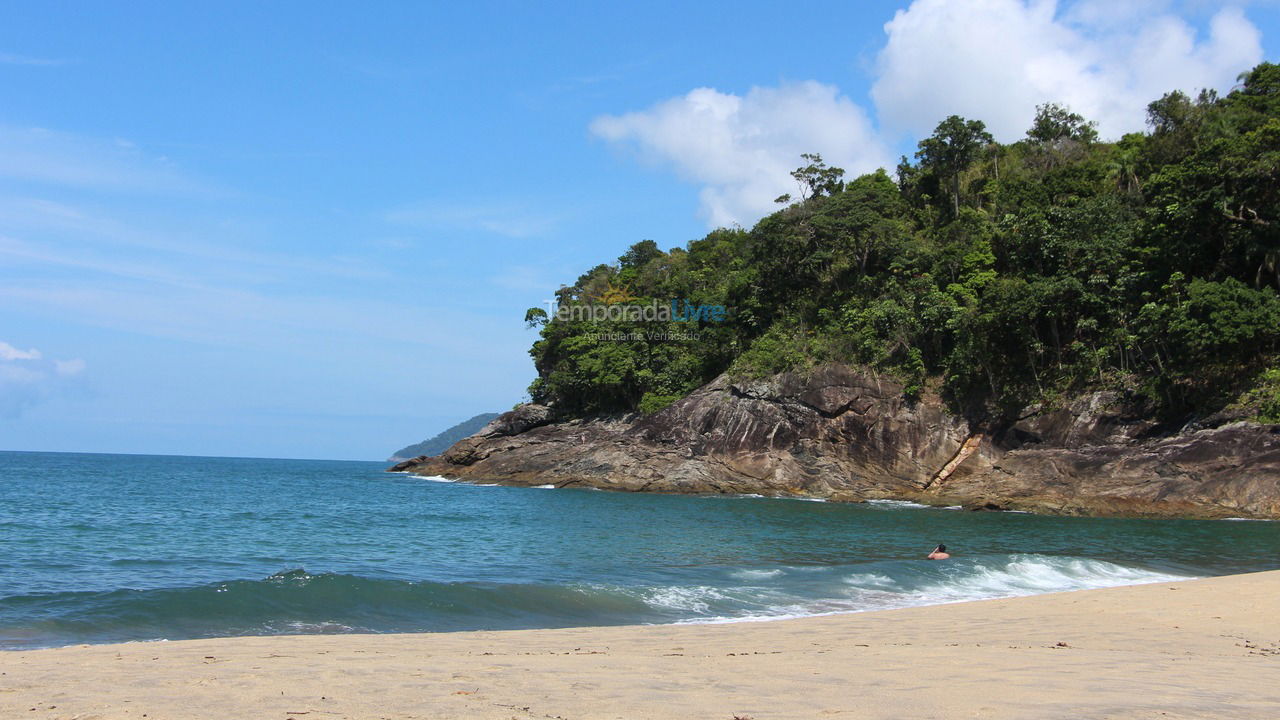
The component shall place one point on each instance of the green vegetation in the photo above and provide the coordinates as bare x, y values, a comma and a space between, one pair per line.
997, 275
443, 441
1264, 398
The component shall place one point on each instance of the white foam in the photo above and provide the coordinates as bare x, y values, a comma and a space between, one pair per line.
1020, 575
543, 487
437, 478
756, 574
320, 628
757, 618
756, 496
1248, 519
871, 580
1031, 574
683, 598
897, 504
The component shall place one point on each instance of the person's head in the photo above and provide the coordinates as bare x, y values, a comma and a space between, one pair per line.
940, 548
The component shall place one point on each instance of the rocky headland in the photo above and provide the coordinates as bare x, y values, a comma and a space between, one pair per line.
843, 434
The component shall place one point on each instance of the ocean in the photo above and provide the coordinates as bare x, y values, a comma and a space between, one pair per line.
110, 548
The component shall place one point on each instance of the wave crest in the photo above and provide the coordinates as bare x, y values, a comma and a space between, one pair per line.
298, 601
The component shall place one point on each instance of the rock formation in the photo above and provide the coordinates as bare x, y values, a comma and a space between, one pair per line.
846, 435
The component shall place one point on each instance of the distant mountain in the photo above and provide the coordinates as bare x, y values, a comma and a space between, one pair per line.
441, 442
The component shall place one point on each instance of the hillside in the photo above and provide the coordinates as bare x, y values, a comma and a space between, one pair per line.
997, 276
1059, 324
441, 442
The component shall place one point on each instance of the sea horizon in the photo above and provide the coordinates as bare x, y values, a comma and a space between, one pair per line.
182, 455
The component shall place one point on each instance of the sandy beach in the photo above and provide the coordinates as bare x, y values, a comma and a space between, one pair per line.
1196, 649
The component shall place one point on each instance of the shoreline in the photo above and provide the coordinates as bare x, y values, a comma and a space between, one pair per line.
914, 498
847, 433
904, 500
1152, 577
1195, 648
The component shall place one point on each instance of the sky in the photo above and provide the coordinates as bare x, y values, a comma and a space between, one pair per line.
311, 230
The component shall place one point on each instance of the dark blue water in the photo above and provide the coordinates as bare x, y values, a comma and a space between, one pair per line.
100, 548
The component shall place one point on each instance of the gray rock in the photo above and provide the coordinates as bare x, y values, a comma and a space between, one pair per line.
848, 435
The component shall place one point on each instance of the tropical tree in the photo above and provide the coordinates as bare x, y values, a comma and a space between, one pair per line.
1055, 123
955, 144
816, 178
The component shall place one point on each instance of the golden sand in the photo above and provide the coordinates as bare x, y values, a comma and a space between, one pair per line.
1194, 649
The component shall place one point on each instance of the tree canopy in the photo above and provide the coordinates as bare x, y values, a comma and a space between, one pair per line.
997, 276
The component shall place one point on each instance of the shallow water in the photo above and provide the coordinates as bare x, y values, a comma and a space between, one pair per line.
101, 548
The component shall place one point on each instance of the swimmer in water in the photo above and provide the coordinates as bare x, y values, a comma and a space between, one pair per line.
939, 553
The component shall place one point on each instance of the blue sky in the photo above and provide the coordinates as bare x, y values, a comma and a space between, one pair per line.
304, 230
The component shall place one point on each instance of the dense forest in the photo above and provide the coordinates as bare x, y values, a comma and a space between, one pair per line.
994, 276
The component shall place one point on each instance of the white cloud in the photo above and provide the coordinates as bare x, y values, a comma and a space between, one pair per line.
741, 149
990, 60
9, 352
26, 378
995, 60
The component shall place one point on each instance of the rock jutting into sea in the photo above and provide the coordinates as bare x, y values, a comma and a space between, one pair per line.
844, 434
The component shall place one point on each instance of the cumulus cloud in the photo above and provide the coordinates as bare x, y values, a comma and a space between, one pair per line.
741, 148
991, 60
995, 60
27, 377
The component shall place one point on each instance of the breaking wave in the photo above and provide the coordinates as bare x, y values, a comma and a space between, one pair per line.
296, 601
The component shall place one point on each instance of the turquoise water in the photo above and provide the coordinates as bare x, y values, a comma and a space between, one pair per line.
102, 548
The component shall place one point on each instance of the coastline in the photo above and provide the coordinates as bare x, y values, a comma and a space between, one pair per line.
903, 499
847, 433
1196, 648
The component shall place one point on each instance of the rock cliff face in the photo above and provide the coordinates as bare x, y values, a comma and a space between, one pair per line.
845, 435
